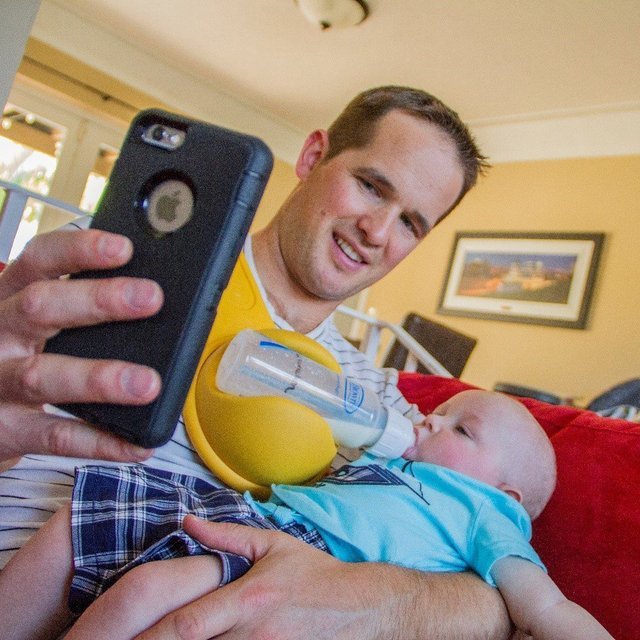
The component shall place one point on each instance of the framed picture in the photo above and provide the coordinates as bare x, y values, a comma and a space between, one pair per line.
538, 278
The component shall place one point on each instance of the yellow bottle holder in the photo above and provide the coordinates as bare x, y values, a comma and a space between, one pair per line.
252, 442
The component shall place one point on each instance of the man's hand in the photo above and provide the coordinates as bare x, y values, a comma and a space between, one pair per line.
289, 593
295, 591
35, 304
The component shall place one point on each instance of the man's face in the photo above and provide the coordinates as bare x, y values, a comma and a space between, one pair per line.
356, 216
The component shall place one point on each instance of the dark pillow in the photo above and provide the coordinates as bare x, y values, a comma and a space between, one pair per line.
589, 534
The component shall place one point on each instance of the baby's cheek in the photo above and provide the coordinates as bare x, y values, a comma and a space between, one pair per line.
476, 466
455, 459
442, 453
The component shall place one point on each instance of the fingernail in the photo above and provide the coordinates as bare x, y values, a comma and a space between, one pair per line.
140, 382
141, 294
138, 453
111, 246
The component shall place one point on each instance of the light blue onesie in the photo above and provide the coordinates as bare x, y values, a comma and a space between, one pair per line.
413, 514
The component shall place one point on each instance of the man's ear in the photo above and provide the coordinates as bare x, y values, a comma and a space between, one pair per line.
313, 150
512, 491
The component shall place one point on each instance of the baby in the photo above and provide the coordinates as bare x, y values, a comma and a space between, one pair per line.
461, 497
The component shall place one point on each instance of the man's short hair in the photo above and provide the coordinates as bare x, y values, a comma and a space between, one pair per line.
356, 125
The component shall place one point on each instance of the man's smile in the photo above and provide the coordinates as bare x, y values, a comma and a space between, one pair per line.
348, 250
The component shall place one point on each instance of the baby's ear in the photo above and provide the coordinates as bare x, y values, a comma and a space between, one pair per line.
512, 491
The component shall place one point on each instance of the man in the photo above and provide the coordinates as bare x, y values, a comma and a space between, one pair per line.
387, 171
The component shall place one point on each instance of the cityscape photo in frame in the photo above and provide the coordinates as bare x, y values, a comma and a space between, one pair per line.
534, 278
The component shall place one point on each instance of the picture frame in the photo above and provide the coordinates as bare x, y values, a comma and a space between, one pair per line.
533, 278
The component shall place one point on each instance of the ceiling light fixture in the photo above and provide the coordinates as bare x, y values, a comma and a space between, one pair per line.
328, 14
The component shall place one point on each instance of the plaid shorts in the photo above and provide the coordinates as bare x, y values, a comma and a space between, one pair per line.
125, 516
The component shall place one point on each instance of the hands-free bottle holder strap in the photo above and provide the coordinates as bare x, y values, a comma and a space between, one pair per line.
251, 443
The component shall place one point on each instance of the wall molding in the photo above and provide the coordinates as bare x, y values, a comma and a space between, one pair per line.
585, 134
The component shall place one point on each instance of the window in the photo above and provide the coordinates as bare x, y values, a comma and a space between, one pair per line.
53, 147
29, 148
98, 178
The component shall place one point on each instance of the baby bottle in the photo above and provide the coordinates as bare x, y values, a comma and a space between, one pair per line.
253, 365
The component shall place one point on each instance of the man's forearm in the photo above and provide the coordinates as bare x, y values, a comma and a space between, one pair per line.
437, 606
294, 590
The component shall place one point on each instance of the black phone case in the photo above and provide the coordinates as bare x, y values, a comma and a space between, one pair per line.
226, 172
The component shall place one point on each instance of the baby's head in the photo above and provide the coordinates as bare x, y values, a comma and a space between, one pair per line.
492, 438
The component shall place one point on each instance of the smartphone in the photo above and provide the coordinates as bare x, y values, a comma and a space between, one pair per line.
185, 192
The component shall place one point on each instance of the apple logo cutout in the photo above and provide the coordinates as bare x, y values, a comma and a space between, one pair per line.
170, 206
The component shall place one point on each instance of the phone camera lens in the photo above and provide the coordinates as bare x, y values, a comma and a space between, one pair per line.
158, 133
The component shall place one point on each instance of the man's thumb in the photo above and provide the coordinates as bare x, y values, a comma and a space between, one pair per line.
251, 543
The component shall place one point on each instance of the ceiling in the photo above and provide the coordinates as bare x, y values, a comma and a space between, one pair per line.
494, 61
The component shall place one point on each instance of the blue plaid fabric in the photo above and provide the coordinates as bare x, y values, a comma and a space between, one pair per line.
125, 516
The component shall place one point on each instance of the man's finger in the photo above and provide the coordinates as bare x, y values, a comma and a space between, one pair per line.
235, 538
208, 617
37, 432
51, 378
43, 308
55, 254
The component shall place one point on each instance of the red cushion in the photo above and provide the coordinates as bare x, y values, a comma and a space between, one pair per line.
589, 534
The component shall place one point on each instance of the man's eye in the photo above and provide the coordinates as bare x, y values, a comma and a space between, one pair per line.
411, 226
368, 186
407, 222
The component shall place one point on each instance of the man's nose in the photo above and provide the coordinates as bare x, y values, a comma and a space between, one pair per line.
377, 225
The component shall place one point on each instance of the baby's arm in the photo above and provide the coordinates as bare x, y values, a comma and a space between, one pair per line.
538, 607
146, 594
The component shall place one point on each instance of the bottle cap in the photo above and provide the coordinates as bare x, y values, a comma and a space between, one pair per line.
396, 438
